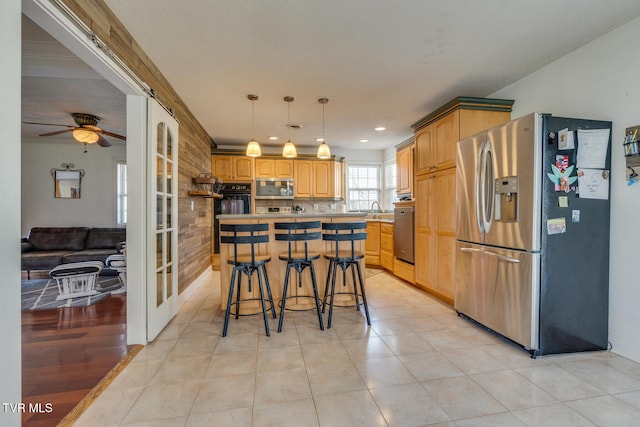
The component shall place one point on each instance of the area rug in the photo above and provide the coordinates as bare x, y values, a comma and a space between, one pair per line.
40, 294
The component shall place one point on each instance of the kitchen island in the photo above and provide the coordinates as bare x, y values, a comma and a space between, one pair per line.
276, 267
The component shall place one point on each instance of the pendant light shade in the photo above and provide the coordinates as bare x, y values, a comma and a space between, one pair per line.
289, 149
253, 147
324, 152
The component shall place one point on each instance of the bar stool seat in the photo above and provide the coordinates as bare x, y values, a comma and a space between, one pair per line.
346, 233
247, 264
299, 260
299, 256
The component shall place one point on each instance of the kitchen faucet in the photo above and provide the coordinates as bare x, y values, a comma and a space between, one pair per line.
376, 203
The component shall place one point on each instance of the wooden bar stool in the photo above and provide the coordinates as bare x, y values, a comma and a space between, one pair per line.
345, 259
299, 261
244, 234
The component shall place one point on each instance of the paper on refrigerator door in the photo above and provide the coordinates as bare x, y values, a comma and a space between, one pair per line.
565, 140
593, 183
592, 148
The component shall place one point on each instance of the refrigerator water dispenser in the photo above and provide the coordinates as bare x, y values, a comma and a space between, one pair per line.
506, 206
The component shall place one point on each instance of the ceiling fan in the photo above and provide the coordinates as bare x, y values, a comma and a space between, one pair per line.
86, 130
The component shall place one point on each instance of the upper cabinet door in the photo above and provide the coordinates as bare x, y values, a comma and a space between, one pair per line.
302, 174
404, 170
265, 168
323, 179
243, 168
283, 168
221, 167
446, 133
424, 150
232, 168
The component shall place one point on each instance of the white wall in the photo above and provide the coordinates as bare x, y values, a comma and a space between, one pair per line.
601, 81
97, 204
10, 373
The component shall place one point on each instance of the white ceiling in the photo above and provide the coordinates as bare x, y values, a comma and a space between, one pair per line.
379, 62
56, 83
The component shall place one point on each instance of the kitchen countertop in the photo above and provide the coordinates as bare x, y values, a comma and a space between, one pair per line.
304, 215
390, 221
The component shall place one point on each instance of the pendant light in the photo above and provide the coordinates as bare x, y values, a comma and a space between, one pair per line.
323, 149
253, 147
289, 149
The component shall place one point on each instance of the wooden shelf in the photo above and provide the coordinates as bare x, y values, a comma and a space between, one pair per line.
204, 193
205, 184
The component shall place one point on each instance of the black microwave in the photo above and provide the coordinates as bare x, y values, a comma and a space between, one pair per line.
274, 188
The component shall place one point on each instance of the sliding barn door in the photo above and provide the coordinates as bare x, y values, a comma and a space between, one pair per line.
162, 260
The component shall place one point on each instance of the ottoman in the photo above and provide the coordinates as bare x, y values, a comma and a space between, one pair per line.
76, 279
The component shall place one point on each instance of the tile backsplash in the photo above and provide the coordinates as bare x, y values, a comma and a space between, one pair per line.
309, 206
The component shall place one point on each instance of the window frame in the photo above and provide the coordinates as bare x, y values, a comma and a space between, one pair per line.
349, 189
121, 193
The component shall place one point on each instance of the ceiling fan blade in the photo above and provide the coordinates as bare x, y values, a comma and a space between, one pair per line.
103, 142
47, 124
58, 132
111, 134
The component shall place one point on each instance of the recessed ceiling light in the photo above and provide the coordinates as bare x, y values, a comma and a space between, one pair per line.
319, 139
380, 128
364, 140
273, 138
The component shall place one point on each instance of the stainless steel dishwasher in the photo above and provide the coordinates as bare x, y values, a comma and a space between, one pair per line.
403, 233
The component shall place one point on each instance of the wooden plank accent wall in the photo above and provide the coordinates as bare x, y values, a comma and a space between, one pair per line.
194, 145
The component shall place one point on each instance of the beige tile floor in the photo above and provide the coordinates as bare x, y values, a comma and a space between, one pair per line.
418, 364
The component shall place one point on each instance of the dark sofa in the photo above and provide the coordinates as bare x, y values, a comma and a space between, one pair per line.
48, 247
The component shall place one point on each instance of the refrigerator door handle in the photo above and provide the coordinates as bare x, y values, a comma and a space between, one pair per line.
484, 251
488, 193
480, 203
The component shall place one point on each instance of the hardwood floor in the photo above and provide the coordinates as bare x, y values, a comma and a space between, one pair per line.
67, 352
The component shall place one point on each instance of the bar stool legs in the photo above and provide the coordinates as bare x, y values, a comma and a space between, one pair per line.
300, 266
263, 282
330, 286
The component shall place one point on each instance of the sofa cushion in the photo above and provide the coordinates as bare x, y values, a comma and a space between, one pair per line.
58, 238
42, 260
105, 238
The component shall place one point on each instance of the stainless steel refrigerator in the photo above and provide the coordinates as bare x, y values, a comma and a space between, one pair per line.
532, 255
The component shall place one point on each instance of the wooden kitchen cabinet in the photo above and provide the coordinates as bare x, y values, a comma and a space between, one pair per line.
317, 178
372, 244
404, 170
386, 245
273, 168
435, 233
436, 134
232, 168
303, 176
322, 179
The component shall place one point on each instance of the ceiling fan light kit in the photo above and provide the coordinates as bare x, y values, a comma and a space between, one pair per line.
86, 130
85, 136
